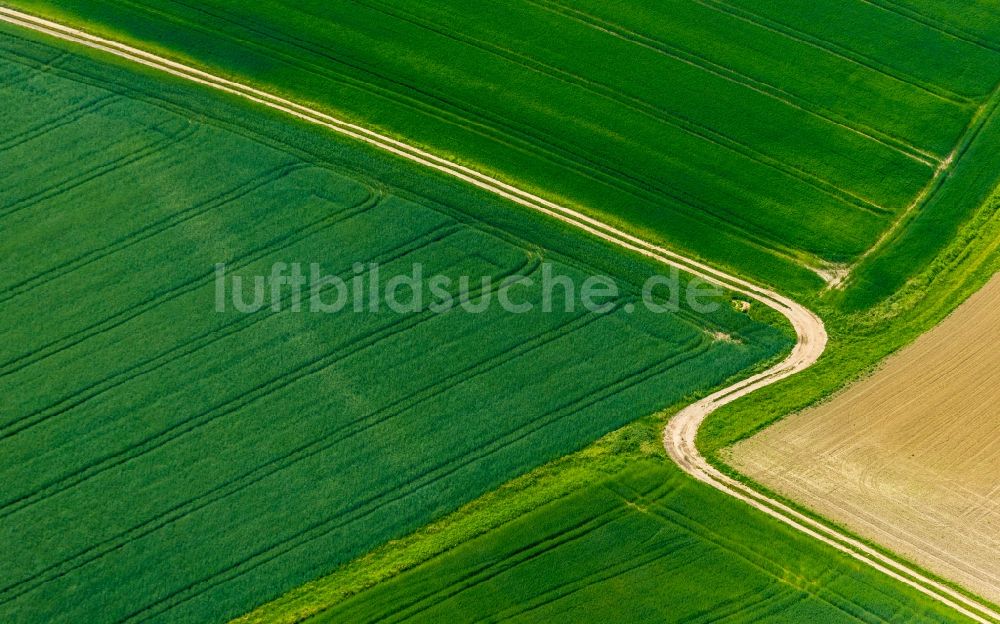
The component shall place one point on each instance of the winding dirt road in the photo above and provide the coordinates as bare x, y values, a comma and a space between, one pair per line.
679, 435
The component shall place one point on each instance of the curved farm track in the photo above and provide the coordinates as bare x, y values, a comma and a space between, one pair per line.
680, 433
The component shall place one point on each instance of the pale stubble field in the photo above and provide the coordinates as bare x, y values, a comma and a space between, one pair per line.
910, 457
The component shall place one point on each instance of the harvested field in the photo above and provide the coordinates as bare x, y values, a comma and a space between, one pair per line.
909, 457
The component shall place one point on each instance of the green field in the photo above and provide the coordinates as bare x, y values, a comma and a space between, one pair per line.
768, 137
486, 535
615, 551
476, 550
163, 461
613, 533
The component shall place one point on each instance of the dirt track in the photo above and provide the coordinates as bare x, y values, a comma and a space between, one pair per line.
681, 431
910, 457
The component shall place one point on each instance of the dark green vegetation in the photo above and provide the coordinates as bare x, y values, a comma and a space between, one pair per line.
162, 461
769, 137
248, 454
485, 536
614, 552
480, 542
633, 541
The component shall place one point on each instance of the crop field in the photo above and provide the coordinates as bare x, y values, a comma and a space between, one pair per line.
163, 461
908, 457
783, 140
171, 453
646, 545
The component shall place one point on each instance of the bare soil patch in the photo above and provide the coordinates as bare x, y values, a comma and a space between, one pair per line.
909, 457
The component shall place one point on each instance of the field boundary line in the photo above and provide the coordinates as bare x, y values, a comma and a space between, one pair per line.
679, 434
980, 118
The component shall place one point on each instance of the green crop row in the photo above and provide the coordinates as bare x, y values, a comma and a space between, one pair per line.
162, 460
653, 116
616, 533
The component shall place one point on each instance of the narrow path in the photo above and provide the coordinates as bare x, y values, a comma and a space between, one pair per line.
679, 435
